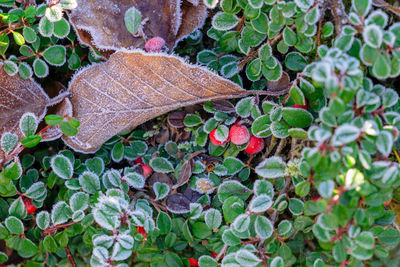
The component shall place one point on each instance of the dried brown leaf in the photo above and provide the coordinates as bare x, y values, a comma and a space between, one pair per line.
184, 173
104, 21
279, 85
193, 2
18, 96
194, 15
223, 106
175, 119
133, 87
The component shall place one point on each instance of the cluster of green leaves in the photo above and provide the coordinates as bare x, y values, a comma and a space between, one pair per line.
41, 36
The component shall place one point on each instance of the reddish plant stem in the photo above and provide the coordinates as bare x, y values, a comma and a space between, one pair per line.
61, 226
70, 258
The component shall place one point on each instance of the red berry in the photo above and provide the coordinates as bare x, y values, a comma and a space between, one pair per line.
301, 106
387, 202
141, 231
255, 145
193, 262
138, 160
239, 134
30, 208
214, 254
315, 198
147, 170
214, 140
155, 44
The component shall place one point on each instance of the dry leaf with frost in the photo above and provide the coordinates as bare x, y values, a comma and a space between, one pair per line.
104, 21
101, 23
193, 17
18, 96
133, 87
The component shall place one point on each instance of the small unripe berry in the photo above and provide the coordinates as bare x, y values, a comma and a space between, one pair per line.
239, 134
301, 106
155, 44
30, 208
147, 170
193, 262
255, 145
214, 140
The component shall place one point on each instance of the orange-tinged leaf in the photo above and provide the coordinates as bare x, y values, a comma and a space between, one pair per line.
133, 87
18, 96
104, 21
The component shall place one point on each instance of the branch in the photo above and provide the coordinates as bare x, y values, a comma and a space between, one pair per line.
70, 258
387, 6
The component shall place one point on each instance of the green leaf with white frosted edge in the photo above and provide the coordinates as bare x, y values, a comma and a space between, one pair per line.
297, 117
62, 166
25, 70
207, 261
10, 67
40, 68
134, 180
161, 165
260, 203
54, 13
362, 6
43, 219
55, 55
241, 223
244, 106
161, 190
213, 218
271, 168
246, 258
17, 209
89, 182
384, 143
223, 21
132, 19
263, 227
60, 213
79, 201
373, 35
36, 191
8, 142
277, 262
14, 225
46, 27
344, 134
61, 28
28, 124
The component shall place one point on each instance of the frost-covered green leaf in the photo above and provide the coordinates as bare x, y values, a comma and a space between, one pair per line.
271, 168
62, 166
60, 213
161, 190
8, 142
213, 218
89, 182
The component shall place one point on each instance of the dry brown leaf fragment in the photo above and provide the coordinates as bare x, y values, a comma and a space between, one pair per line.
133, 87
17, 97
104, 21
193, 17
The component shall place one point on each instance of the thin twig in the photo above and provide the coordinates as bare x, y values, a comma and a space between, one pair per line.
70, 258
